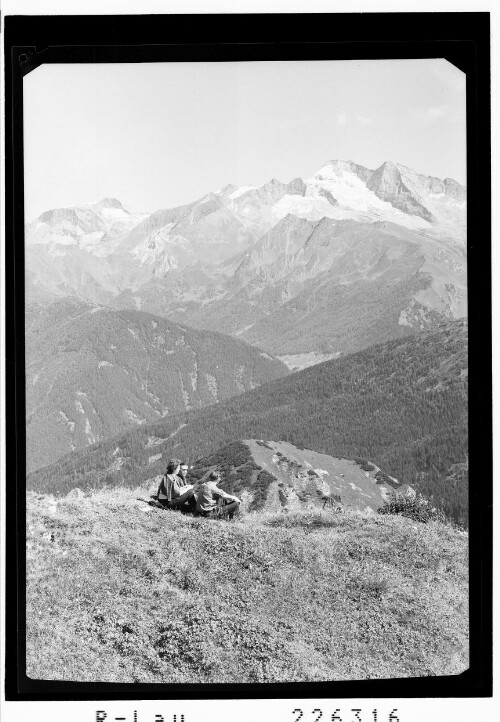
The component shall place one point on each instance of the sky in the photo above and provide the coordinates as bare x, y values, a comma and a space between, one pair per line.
157, 135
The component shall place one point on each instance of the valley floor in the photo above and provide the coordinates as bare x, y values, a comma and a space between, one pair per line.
118, 591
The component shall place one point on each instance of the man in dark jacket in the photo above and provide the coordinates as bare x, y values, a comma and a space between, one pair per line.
172, 493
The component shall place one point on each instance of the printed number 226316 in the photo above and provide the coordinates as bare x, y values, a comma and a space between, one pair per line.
338, 715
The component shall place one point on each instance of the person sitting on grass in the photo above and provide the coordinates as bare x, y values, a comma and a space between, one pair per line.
209, 494
172, 492
183, 471
284, 496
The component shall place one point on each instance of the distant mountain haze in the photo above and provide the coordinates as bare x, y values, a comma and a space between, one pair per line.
92, 372
326, 265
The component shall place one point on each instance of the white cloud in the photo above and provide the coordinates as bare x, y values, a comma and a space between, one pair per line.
436, 112
363, 120
341, 118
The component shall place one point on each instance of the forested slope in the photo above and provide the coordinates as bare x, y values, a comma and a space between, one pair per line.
92, 372
401, 404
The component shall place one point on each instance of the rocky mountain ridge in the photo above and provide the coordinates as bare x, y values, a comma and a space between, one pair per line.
235, 258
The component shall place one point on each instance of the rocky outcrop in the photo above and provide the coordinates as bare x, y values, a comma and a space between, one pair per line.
454, 189
326, 194
399, 189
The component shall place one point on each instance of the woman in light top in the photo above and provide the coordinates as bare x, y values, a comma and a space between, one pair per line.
209, 493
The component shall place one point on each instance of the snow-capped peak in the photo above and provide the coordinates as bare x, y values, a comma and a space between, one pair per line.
107, 203
338, 168
241, 190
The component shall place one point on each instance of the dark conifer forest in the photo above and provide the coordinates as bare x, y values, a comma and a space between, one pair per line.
401, 405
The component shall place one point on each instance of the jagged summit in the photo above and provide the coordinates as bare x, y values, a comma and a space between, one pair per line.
387, 168
337, 167
75, 212
186, 262
108, 203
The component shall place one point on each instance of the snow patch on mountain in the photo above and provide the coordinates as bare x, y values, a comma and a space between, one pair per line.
313, 207
240, 191
184, 262
355, 198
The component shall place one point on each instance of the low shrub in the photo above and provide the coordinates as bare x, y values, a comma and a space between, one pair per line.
264, 444
416, 508
235, 454
364, 464
383, 478
260, 489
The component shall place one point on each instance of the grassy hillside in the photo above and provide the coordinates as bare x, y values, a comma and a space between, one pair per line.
122, 592
92, 372
402, 405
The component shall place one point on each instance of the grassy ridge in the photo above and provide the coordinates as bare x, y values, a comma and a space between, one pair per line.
119, 591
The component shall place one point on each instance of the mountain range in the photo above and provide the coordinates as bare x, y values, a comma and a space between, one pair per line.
92, 372
402, 405
306, 270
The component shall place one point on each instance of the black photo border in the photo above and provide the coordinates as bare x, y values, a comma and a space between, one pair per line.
461, 38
